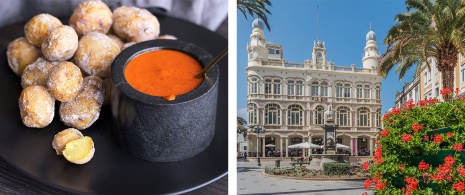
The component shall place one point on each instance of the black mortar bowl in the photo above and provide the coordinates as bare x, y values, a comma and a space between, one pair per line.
157, 130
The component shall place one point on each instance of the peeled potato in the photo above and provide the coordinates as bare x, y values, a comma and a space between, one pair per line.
79, 151
63, 137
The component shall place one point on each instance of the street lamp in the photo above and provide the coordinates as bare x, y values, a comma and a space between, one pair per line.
258, 129
330, 132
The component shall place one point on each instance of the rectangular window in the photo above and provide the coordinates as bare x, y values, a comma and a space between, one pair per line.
324, 90
462, 73
290, 88
359, 93
366, 93
271, 51
277, 87
267, 88
298, 88
276, 51
436, 92
254, 88
347, 92
314, 90
338, 91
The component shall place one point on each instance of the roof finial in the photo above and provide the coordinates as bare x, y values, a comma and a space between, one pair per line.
370, 27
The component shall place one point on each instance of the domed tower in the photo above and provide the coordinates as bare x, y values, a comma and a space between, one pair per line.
371, 57
257, 50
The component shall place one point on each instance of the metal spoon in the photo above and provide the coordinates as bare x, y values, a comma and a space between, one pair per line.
213, 62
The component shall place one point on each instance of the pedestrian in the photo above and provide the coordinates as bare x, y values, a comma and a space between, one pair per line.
245, 155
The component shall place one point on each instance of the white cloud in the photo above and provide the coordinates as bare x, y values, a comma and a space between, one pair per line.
242, 112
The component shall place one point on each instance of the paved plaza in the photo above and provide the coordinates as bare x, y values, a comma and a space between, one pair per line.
250, 180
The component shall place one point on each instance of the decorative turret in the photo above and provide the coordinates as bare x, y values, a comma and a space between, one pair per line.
371, 57
257, 50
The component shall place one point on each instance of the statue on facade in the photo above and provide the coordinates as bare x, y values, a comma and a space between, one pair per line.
329, 113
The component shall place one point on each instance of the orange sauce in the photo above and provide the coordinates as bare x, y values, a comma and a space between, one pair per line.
163, 73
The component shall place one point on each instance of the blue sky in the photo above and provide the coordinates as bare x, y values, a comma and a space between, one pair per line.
342, 25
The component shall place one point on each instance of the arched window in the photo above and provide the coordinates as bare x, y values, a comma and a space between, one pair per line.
343, 116
253, 85
294, 115
314, 91
319, 115
378, 117
253, 112
363, 117
324, 88
339, 90
272, 114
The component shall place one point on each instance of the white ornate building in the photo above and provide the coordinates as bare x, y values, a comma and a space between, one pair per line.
290, 99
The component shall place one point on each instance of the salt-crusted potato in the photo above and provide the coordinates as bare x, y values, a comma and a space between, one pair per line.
117, 40
36, 73
79, 151
170, 37
64, 81
95, 53
38, 27
84, 110
36, 106
63, 137
134, 24
20, 54
60, 44
91, 16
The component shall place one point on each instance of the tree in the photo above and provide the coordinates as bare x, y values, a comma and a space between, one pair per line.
255, 8
241, 126
432, 29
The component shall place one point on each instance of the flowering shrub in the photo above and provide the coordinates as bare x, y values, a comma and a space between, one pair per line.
414, 154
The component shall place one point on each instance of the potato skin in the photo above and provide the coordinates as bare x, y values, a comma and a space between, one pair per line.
134, 24
60, 44
91, 16
39, 26
64, 81
36, 106
20, 53
63, 137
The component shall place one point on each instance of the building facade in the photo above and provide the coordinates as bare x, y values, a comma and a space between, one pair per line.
428, 83
289, 99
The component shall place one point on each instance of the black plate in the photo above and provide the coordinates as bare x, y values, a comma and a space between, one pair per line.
111, 171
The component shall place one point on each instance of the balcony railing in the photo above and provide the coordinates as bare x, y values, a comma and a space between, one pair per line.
312, 98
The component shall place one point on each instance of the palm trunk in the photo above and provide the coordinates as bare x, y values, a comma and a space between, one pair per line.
447, 77
446, 62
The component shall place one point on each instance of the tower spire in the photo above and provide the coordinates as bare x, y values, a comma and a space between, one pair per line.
316, 20
370, 27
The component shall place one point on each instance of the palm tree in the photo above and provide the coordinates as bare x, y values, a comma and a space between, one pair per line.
241, 126
432, 29
255, 8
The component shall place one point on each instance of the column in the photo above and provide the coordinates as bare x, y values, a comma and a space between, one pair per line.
256, 145
310, 141
305, 139
287, 149
356, 146
280, 146
263, 147
351, 146
371, 146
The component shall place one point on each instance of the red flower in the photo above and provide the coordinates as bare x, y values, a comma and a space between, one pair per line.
401, 167
445, 91
461, 170
366, 165
423, 102
457, 90
425, 138
384, 133
367, 184
365, 193
380, 185
458, 147
406, 137
416, 127
449, 134
423, 166
449, 161
459, 187
395, 111
437, 138
412, 184
409, 104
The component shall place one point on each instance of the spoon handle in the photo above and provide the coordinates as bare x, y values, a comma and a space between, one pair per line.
213, 62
